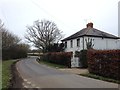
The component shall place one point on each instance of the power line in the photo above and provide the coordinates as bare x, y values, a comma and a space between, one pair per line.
46, 12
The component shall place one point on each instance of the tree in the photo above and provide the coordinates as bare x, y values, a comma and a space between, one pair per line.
1, 24
56, 47
8, 39
11, 46
43, 33
1, 27
89, 43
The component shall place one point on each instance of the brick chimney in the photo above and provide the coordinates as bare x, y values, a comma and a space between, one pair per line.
90, 25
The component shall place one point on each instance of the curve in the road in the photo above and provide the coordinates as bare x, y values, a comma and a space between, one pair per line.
36, 75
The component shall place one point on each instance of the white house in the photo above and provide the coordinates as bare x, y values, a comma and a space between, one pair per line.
101, 41
119, 19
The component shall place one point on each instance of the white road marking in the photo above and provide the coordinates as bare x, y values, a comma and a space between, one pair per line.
28, 82
37, 87
25, 86
25, 80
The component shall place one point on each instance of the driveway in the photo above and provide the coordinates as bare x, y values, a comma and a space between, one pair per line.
36, 75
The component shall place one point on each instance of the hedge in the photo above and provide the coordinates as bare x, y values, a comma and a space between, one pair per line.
61, 58
13, 53
105, 63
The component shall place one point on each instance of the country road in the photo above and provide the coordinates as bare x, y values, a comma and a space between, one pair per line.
36, 75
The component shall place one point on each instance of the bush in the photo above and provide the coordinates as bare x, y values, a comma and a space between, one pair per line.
62, 58
105, 63
14, 52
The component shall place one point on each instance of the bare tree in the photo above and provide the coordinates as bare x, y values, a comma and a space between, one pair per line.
43, 33
89, 43
1, 24
1, 27
8, 39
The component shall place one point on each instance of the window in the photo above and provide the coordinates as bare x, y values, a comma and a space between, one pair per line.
71, 43
78, 42
66, 44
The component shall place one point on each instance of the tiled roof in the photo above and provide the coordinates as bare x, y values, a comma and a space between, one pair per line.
92, 32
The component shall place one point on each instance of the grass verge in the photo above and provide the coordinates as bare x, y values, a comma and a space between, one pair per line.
52, 64
100, 78
6, 73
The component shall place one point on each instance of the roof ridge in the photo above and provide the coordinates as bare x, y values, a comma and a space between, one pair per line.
91, 32
87, 29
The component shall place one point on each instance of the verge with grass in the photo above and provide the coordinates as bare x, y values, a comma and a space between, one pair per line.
51, 64
100, 78
6, 73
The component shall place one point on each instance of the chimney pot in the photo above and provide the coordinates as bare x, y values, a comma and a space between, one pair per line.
90, 25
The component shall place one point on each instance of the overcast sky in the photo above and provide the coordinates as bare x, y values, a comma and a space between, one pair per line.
69, 15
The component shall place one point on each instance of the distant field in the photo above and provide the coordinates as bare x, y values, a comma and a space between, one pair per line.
6, 73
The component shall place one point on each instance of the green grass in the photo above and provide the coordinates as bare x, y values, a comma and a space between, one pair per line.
100, 78
52, 64
6, 73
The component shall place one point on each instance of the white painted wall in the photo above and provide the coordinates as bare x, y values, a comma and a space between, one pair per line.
104, 43
74, 48
99, 44
119, 18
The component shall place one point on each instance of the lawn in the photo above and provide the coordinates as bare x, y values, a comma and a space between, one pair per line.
6, 73
100, 78
51, 64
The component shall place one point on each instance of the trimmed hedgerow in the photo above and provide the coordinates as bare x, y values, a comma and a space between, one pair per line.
105, 63
61, 58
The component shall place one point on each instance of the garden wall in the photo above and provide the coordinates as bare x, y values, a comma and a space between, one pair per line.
105, 63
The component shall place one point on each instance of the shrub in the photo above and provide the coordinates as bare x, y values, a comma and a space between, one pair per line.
14, 52
104, 62
62, 58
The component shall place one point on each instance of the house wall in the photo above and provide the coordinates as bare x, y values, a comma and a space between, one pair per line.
119, 18
104, 43
99, 44
74, 48
74, 61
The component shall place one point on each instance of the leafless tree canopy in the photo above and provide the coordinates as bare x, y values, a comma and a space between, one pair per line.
43, 33
1, 24
8, 39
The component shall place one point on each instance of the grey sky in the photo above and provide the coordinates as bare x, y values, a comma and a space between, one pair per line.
69, 15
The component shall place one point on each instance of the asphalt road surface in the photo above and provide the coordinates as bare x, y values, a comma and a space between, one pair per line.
36, 75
